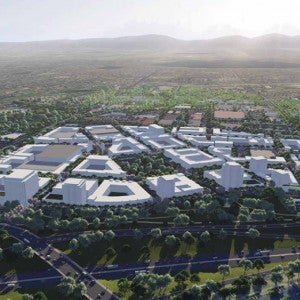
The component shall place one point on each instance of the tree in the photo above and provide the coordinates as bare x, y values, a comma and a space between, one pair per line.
258, 214
138, 234
140, 290
224, 292
195, 278
80, 290
96, 223
188, 238
40, 296
109, 235
170, 240
156, 233
28, 253
180, 279
211, 285
27, 297
295, 266
246, 264
3, 234
162, 281
187, 204
253, 233
222, 234
123, 285
258, 264
74, 245
67, 286
17, 248
182, 220
224, 270
276, 277
205, 236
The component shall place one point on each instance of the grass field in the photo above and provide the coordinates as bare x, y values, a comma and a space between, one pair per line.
51, 293
204, 276
96, 254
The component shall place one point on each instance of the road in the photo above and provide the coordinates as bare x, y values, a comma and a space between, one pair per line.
60, 262
162, 267
66, 267
180, 230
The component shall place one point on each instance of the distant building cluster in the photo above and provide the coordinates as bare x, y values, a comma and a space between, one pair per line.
86, 162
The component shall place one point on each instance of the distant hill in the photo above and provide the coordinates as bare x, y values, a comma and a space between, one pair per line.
160, 43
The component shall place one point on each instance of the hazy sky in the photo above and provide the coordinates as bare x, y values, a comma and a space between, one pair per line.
27, 20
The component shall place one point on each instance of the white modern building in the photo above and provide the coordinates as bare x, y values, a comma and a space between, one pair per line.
104, 132
20, 185
164, 141
193, 131
225, 154
142, 131
60, 135
126, 146
198, 141
258, 165
72, 191
119, 192
110, 192
43, 157
290, 144
242, 138
174, 185
283, 178
190, 158
230, 176
100, 166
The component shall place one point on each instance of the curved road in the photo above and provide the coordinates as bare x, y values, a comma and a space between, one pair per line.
60, 262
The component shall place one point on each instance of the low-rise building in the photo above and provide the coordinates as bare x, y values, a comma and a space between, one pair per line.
45, 158
291, 144
126, 146
283, 178
100, 166
163, 141
110, 193
194, 131
144, 131
174, 185
60, 135
192, 158
104, 132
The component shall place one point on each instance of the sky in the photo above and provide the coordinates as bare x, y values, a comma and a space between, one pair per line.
32, 20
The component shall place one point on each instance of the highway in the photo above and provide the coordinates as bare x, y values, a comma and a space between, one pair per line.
180, 230
67, 267
163, 267
60, 262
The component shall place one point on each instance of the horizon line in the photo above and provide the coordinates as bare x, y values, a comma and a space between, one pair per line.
151, 34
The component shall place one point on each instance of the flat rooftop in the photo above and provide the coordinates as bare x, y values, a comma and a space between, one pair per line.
99, 131
264, 153
40, 166
63, 134
20, 174
224, 114
59, 151
12, 136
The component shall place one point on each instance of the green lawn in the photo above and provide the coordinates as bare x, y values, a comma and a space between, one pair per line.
96, 253
14, 266
204, 276
51, 293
